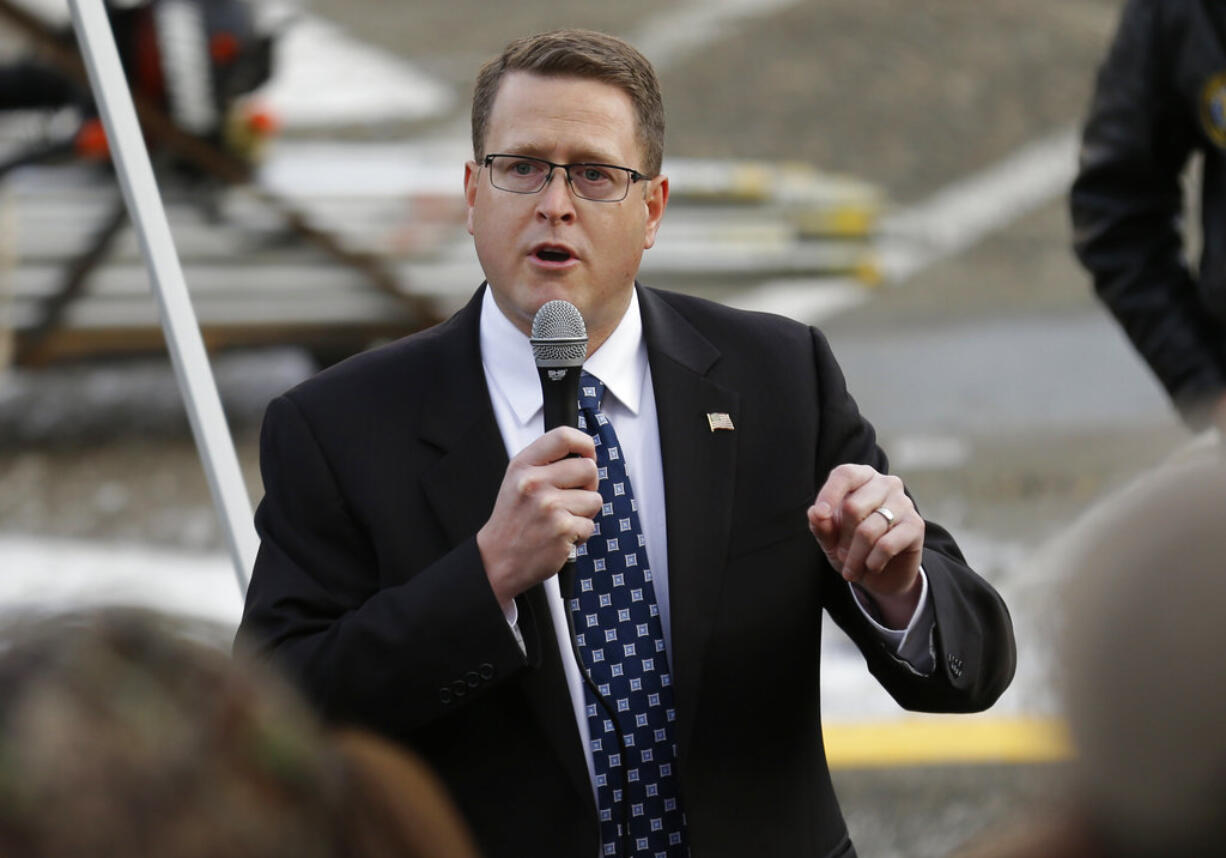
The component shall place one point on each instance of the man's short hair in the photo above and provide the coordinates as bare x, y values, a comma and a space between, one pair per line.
582, 54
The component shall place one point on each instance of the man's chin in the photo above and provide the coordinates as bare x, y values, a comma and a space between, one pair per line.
544, 293
522, 305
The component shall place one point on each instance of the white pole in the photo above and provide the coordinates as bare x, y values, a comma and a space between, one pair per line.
183, 338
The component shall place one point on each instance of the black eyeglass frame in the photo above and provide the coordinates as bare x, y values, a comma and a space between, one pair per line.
635, 175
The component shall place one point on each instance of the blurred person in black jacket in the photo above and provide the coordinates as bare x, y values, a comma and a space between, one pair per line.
1160, 97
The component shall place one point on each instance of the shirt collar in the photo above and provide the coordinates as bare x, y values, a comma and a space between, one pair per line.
506, 354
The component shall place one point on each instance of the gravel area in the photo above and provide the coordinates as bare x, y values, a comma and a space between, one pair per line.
942, 809
451, 38
907, 95
1024, 270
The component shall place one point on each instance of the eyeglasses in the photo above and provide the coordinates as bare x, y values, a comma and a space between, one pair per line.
601, 183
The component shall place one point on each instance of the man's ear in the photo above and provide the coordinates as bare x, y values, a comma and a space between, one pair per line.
656, 200
471, 173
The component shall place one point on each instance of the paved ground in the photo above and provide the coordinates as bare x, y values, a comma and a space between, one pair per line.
1008, 399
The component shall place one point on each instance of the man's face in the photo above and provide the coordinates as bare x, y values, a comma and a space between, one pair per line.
538, 247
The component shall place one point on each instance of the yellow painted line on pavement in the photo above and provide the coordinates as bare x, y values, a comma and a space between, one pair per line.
946, 740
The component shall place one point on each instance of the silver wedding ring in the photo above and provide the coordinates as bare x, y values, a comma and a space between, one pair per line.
885, 513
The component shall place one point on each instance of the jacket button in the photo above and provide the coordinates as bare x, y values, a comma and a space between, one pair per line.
459, 688
472, 679
444, 694
487, 671
955, 666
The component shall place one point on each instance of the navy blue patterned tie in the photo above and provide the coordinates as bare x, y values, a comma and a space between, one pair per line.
621, 642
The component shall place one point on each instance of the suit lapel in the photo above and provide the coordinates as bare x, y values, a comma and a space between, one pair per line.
458, 420
461, 488
699, 476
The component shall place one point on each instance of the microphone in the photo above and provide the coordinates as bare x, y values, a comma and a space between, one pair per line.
559, 347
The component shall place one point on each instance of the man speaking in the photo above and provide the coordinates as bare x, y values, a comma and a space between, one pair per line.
719, 490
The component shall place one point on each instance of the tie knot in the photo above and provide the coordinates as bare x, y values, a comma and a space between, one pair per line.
591, 391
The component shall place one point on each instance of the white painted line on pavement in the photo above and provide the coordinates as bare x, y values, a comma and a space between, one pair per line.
963, 213
929, 452
670, 37
810, 299
958, 216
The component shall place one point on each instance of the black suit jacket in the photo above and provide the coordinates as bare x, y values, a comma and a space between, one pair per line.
370, 591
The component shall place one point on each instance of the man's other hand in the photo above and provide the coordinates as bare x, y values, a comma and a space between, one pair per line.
873, 536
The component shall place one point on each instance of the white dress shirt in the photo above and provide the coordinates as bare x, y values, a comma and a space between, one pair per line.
629, 403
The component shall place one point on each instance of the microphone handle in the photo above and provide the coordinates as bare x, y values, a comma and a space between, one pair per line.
566, 583
560, 387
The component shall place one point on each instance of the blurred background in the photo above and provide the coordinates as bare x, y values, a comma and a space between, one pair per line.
892, 172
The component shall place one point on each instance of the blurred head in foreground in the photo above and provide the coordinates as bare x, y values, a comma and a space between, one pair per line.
1145, 649
1143, 662
125, 734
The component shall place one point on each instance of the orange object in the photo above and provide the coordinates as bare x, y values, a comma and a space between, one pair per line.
90, 142
262, 122
223, 47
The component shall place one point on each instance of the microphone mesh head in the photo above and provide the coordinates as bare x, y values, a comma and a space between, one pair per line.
559, 337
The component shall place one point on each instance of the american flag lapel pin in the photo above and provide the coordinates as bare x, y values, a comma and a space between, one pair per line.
719, 420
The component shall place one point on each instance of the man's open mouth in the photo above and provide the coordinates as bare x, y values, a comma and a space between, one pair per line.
552, 254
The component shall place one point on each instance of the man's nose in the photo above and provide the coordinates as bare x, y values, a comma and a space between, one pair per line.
555, 201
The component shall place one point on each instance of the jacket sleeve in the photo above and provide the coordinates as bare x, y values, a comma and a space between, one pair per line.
1127, 205
974, 651
391, 657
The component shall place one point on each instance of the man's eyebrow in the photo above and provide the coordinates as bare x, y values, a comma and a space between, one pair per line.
584, 156
526, 150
